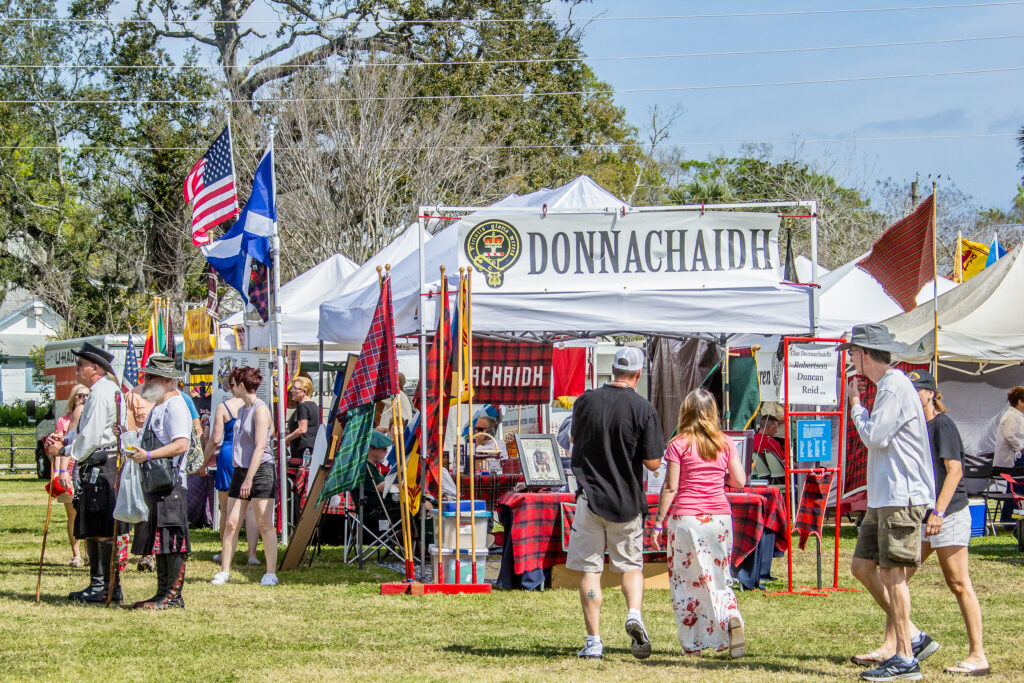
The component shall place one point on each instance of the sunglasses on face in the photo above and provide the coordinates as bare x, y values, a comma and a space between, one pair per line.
81, 396
480, 429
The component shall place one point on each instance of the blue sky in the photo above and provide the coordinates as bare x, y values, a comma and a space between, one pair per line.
948, 110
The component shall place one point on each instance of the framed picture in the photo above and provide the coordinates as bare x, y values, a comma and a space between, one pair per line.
744, 442
540, 460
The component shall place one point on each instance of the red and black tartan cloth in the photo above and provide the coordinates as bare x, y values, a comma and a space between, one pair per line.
436, 391
775, 511
901, 259
511, 373
855, 476
259, 290
537, 539
211, 292
810, 514
490, 487
376, 373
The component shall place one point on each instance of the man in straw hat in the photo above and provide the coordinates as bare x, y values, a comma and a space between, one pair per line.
900, 490
165, 435
94, 451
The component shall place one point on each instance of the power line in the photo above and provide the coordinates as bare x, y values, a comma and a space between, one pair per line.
595, 145
507, 95
495, 20
541, 60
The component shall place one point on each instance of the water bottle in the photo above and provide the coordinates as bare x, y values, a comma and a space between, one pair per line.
306, 457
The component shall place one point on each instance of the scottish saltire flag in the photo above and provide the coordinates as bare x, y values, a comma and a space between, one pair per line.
210, 189
995, 252
131, 366
248, 239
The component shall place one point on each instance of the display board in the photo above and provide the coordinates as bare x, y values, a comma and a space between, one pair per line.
226, 360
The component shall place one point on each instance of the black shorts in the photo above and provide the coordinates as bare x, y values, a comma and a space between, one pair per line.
264, 482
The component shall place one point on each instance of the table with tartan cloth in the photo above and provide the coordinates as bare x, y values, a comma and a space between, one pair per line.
490, 487
774, 511
534, 542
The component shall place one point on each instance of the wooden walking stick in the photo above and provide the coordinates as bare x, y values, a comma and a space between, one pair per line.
114, 574
42, 554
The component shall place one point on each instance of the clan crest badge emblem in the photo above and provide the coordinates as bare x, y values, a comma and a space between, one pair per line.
493, 247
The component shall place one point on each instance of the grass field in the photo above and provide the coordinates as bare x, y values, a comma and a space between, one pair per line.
330, 623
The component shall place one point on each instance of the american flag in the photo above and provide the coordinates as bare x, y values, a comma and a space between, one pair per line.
210, 189
131, 365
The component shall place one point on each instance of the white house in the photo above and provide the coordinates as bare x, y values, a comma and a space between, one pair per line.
25, 323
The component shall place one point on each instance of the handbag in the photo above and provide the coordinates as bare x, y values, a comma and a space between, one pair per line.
158, 476
194, 457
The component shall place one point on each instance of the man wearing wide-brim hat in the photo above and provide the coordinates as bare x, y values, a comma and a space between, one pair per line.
164, 442
900, 491
94, 451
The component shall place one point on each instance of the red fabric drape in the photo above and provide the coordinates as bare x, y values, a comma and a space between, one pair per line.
569, 367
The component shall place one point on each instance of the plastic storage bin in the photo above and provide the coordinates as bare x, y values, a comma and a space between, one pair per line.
464, 505
465, 565
977, 508
465, 529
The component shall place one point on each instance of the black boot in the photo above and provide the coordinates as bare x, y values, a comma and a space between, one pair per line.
161, 585
95, 574
175, 563
106, 552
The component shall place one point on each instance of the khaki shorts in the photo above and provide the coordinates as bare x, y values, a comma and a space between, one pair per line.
592, 534
891, 536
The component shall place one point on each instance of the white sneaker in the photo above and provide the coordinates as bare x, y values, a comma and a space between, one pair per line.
269, 580
215, 558
253, 562
220, 578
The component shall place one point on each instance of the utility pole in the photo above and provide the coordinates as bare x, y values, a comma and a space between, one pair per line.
914, 197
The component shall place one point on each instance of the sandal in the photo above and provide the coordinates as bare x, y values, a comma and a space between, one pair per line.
737, 644
871, 659
75, 562
968, 669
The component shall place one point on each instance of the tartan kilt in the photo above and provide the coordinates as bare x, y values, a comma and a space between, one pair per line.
166, 530
96, 504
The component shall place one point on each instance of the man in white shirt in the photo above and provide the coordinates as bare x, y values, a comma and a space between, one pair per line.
900, 491
93, 450
1010, 432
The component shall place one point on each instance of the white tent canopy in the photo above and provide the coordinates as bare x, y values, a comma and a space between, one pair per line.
977, 320
775, 308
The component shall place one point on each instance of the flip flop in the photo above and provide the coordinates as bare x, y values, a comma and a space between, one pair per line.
967, 669
737, 644
868, 660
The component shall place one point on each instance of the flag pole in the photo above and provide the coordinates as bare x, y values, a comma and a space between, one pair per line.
472, 425
935, 284
275, 328
958, 264
458, 429
423, 407
439, 576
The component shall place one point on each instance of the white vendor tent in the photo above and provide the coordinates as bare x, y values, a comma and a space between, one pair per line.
654, 302
301, 296
979, 321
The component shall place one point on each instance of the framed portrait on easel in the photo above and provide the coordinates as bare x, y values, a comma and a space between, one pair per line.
540, 460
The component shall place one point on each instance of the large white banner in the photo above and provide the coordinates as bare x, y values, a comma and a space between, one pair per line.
226, 360
656, 250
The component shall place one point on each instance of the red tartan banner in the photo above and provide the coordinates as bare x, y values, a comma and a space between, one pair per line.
901, 259
511, 373
856, 464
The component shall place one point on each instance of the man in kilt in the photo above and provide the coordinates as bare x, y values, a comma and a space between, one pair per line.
94, 452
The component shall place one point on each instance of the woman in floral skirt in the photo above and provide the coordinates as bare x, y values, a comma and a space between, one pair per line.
695, 517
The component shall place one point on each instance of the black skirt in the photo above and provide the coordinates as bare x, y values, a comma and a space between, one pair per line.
166, 530
96, 504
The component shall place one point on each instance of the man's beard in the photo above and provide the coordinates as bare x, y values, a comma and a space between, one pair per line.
153, 391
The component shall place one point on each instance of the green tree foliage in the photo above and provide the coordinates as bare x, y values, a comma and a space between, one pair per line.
847, 225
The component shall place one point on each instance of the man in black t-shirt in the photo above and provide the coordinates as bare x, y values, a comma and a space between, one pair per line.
615, 434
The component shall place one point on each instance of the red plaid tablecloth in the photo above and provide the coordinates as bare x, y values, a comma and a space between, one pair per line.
490, 487
810, 513
774, 511
536, 530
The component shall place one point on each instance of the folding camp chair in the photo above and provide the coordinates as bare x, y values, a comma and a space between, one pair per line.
761, 470
1018, 504
372, 527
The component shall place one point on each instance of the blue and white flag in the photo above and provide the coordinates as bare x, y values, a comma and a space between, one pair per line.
995, 252
248, 239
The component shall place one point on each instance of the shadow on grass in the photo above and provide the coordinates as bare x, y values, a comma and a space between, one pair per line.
54, 599
712, 662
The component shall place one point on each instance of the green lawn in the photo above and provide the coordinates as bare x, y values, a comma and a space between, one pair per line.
330, 623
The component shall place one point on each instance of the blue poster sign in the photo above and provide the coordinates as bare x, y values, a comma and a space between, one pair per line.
813, 440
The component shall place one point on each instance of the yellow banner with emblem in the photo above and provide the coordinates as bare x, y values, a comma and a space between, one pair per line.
973, 256
199, 338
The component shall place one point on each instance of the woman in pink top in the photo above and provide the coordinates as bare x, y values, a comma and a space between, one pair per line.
699, 528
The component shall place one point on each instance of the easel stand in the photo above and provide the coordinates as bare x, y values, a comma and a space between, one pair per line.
840, 412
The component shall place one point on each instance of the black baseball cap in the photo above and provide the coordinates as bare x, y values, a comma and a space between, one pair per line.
923, 379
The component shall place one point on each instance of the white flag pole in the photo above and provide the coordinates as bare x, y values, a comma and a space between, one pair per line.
234, 179
275, 330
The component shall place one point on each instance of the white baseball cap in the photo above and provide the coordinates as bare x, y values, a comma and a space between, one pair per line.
629, 359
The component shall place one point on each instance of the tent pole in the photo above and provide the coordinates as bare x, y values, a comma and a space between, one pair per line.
275, 327
935, 284
320, 389
726, 413
423, 405
813, 206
